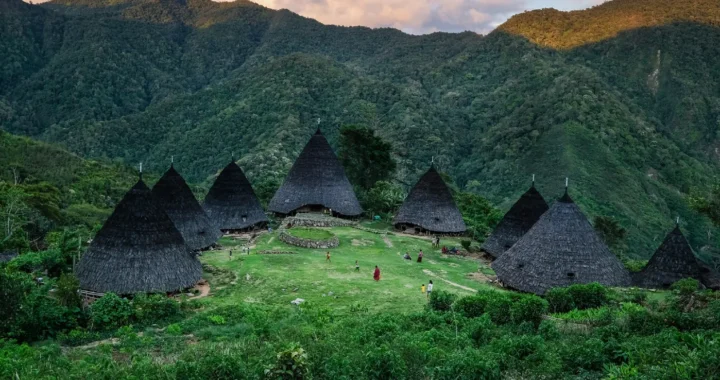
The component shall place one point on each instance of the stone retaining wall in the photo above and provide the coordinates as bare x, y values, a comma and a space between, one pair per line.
315, 220
307, 243
276, 253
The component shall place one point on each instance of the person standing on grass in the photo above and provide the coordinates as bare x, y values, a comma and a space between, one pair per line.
357, 266
429, 289
376, 274
327, 257
230, 258
420, 256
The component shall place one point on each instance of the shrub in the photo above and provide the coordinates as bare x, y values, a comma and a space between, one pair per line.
290, 364
217, 319
465, 244
498, 308
560, 300
110, 311
441, 300
529, 308
473, 306
686, 286
481, 330
154, 307
67, 291
174, 329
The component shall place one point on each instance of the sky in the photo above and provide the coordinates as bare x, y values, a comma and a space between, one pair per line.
419, 16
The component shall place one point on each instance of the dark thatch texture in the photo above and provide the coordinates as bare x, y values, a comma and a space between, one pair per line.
431, 206
231, 202
7, 256
316, 179
138, 250
674, 260
178, 201
516, 223
561, 249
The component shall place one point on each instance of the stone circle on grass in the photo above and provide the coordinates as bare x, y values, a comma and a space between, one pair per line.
309, 238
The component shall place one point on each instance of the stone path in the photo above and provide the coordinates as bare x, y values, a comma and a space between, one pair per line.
432, 274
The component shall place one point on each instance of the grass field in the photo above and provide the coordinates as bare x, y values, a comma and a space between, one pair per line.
310, 233
279, 279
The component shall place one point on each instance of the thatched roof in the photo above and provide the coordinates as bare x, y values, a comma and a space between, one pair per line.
516, 223
430, 205
7, 256
561, 249
674, 260
178, 201
138, 250
231, 202
316, 178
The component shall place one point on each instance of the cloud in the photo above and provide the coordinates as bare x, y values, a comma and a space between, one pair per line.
412, 16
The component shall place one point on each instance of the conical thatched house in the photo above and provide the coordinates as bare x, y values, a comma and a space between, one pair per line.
561, 249
231, 202
430, 207
138, 250
316, 182
178, 201
516, 223
674, 260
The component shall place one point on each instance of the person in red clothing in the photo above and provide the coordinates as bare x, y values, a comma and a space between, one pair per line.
376, 274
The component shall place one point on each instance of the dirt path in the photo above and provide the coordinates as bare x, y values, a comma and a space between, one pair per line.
432, 274
387, 241
204, 289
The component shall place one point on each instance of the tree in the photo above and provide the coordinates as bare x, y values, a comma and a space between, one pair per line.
708, 205
14, 215
383, 198
479, 215
366, 157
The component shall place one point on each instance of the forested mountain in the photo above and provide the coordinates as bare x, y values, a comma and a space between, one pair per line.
623, 98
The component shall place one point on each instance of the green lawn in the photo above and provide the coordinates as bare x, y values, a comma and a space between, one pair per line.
310, 233
279, 279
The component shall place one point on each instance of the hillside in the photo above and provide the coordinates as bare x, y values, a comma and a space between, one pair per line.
623, 98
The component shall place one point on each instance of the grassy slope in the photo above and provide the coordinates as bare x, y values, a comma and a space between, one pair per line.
274, 277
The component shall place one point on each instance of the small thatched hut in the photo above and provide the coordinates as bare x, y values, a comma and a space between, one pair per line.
516, 223
231, 202
178, 201
674, 260
316, 182
430, 208
561, 249
138, 250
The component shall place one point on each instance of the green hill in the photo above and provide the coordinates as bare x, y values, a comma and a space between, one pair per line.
623, 98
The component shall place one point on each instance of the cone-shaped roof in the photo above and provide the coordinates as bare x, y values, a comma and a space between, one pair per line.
516, 223
316, 178
561, 249
430, 205
674, 260
231, 203
178, 201
138, 250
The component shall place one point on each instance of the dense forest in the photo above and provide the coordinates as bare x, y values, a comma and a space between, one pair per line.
622, 98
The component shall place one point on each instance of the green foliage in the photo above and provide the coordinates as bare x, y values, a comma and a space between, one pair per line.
366, 157
154, 307
473, 306
465, 244
499, 309
441, 300
77, 337
686, 287
67, 290
610, 231
528, 308
384, 198
110, 311
50, 260
578, 296
217, 319
479, 215
291, 364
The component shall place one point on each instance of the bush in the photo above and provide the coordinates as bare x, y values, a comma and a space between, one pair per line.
110, 311
290, 364
67, 291
466, 244
529, 308
580, 296
686, 287
473, 306
156, 307
441, 300
481, 330
498, 308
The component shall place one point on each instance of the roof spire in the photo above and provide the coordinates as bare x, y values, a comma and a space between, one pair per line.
232, 156
172, 161
140, 172
533, 180
317, 132
677, 222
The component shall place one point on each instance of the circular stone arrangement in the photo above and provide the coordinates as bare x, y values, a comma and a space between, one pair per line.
314, 239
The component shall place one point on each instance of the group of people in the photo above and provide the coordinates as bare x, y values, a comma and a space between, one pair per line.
408, 257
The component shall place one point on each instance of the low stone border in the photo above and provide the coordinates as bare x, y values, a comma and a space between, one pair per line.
276, 253
313, 220
372, 230
308, 243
